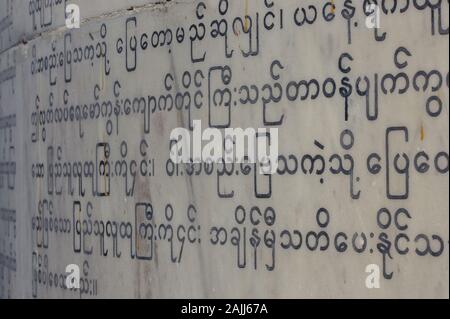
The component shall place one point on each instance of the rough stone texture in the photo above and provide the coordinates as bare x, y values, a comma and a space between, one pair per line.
108, 99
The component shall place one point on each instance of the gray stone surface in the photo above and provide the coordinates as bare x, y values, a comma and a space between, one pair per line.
73, 100
22, 20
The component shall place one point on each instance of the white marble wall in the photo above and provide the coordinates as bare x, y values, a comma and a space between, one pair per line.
107, 95
22, 20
